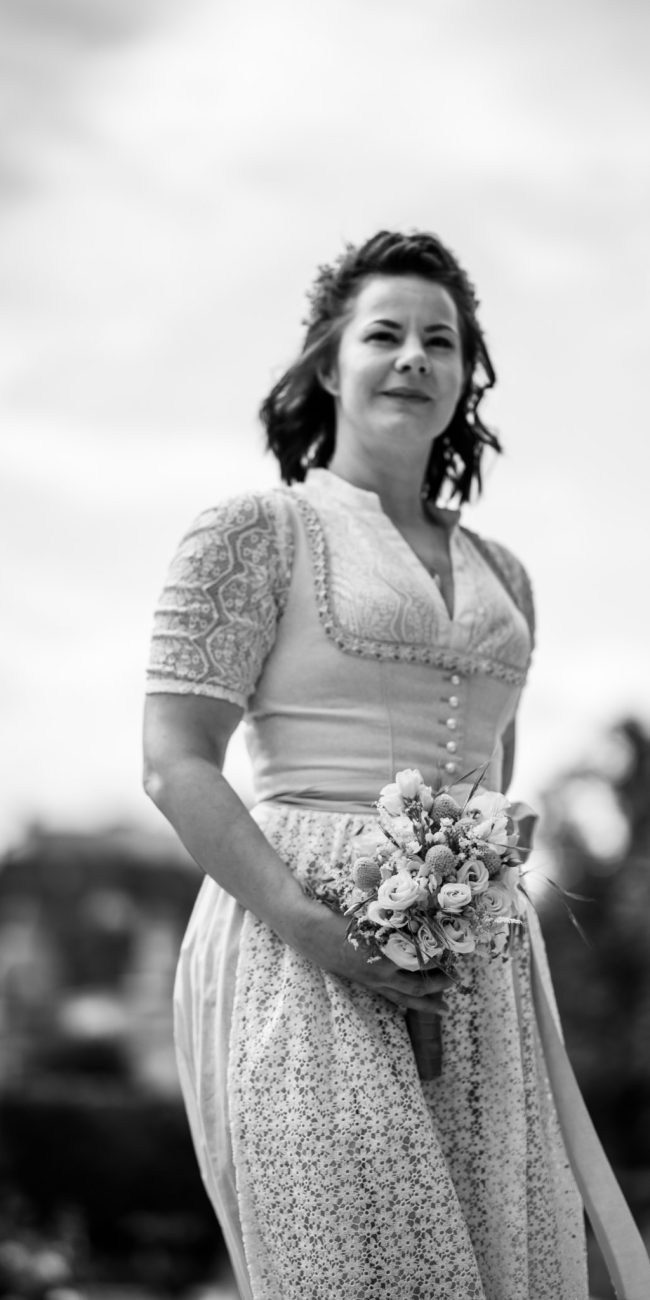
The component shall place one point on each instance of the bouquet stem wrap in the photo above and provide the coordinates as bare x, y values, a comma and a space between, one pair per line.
425, 1032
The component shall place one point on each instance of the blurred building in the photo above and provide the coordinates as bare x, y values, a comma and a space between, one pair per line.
92, 1126
90, 927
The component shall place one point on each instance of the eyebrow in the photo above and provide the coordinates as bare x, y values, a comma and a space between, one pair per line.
393, 324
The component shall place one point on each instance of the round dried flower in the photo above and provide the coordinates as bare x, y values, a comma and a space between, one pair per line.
441, 861
491, 859
445, 806
366, 874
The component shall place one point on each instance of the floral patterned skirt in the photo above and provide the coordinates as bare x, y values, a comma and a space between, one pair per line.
333, 1169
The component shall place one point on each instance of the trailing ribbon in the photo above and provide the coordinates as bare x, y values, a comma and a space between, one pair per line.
617, 1235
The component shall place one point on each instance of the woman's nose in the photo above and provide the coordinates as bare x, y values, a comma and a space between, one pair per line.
413, 357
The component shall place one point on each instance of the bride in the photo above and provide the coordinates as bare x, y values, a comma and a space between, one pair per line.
357, 627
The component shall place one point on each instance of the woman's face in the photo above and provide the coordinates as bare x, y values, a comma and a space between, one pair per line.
398, 374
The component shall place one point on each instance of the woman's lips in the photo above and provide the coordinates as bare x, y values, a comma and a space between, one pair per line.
406, 395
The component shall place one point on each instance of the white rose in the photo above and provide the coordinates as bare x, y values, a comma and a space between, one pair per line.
409, 782
399, 892
488, 805
401, 951
497, 899
475, 874
390, 798
431, 945
458, 934
385, 916
453, 898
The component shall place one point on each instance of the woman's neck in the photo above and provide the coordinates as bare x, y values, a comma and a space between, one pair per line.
398, 485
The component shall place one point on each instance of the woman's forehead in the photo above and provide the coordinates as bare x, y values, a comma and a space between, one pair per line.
394, 296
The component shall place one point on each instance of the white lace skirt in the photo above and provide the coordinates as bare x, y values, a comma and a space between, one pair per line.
334, 1171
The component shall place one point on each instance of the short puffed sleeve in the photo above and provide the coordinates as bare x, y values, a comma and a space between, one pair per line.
226, 588
513, 576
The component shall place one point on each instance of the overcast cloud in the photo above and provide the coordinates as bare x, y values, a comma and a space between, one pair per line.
171, 175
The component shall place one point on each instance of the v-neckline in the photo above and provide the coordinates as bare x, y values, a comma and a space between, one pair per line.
417, 563
448, 518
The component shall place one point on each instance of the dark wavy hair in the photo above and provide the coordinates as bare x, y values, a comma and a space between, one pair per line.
299, 415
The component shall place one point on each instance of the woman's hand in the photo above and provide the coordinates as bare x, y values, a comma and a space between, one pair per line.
321, 936
185, 741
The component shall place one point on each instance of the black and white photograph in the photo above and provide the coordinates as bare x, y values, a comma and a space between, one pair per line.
325, 794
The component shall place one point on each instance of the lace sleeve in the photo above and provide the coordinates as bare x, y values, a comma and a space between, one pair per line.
512, 574
226, 588
516, 580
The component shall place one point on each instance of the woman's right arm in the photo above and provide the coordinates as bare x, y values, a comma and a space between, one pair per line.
185, 740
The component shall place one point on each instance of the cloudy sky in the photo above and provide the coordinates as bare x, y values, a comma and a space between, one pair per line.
171, 174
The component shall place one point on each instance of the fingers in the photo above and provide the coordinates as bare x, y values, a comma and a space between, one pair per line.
416, 992
434, 983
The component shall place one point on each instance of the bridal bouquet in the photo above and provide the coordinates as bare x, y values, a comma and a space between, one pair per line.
432, 883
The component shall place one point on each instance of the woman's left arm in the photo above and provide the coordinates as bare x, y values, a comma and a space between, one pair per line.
526, 824
508, 746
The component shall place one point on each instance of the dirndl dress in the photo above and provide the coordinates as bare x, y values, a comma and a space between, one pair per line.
333, 1168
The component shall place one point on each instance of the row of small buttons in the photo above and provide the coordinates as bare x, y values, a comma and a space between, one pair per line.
452, 725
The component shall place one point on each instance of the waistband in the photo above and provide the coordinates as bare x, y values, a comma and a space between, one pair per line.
350, 807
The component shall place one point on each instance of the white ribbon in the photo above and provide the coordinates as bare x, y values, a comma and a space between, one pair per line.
617, 1235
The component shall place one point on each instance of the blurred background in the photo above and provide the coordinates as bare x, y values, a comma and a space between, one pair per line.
171, 175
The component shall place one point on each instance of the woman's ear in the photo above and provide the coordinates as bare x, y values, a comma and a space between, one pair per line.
328, 379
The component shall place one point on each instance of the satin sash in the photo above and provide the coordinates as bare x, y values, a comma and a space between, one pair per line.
617, 1235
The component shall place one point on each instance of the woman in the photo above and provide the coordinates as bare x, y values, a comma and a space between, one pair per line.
358, 629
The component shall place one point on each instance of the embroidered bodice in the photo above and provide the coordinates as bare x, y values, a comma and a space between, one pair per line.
307, 608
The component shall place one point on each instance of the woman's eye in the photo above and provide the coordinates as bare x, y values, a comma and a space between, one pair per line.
384, 336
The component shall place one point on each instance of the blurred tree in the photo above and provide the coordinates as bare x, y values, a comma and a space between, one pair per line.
596, 820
